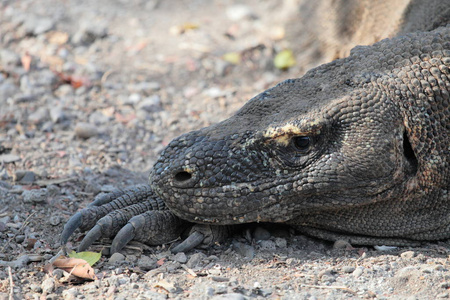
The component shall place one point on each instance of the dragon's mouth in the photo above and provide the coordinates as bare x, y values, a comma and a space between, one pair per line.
268, 213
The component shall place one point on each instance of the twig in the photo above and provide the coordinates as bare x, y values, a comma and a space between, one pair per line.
11, 283
344, 288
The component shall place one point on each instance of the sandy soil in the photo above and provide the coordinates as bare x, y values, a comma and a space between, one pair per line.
92, 91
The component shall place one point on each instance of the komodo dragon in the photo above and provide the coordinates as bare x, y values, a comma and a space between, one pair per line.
356, 149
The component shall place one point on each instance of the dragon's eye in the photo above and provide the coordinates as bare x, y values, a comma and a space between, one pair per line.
302, 143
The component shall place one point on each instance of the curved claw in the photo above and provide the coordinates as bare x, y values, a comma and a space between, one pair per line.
71, 225
192, 241
94, 234
122, 238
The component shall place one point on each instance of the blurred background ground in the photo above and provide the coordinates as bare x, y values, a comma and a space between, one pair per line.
92, 91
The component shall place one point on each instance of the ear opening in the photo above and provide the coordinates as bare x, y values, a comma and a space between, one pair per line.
409, 154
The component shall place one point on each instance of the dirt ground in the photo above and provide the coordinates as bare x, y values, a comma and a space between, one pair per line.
92, 91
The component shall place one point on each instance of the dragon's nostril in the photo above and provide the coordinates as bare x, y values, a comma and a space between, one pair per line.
183, 176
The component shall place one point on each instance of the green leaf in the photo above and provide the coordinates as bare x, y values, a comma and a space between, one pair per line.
284, 59
232, 57
90, 257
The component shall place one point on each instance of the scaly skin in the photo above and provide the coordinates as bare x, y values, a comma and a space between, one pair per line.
356, 149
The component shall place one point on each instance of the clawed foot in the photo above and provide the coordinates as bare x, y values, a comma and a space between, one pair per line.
138, 214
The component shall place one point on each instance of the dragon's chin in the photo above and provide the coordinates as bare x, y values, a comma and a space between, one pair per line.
228, 219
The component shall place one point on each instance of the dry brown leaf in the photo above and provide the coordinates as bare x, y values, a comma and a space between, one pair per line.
26, 61
76, 266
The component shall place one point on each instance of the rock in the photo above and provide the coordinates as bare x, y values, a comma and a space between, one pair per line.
261, 234
2, 226
220, 279
341, 244
146, 263
230, 296
214, 92
221, 289
195, 260
99, 118
64, 90
35, 288
89, 31
57, 114
20, 238
239, 12
24, 98
48, 285
180, 257
327, 275
153, 295
85, 130
265, 292
37, 26
145, 87
115, 258
281, 242
358, 271
70, 294
39, 116
35, 196
24, 176
348, 269
244, 249
9, 158
54, 220
150, 104
58, 273
407, 255
9, 59
267, 245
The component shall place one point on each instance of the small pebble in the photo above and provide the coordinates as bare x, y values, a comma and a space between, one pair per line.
239, 12
55, 220
180, 257
231, 296
407, 254
115, 258
57, 114
244, 249
35, 196
348, 269
358, 271
9, 158
267, 245
221, 289
261, 234
281, 242
265, 292
70, 294
85, 130
341, 244
146, 263
220, 279
48, 285
195, 260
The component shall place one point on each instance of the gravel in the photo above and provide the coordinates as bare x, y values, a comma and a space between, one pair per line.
90, 94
